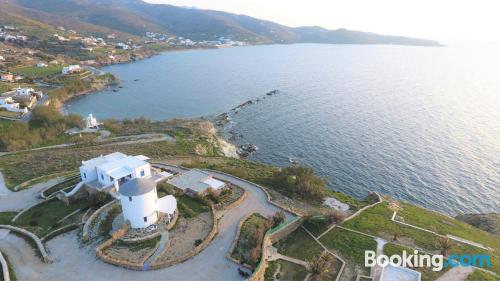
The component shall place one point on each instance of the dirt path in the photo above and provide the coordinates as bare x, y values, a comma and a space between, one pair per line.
458, 273
73, 261
16, 201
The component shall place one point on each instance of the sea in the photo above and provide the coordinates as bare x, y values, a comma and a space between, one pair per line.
420, 124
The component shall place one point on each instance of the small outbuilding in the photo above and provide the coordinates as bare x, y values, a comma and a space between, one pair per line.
196, 181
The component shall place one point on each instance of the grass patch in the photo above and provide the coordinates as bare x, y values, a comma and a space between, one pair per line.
426, 272
249, 246
446, 225
43, 218
479, 275
6, 217
287, 271
33, 71
136, 247
32, 182
317, 225
351, 246
5, 124
299, 245
376, 221
192, 204
62, 186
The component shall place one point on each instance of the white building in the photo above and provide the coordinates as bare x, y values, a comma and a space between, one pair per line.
140, 203
114, 169
197, 181
122, 46
91, 122
71, 69
41, 65
9, 105
2, 58
24, 92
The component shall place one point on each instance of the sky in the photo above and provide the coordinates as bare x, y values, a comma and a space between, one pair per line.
431, 19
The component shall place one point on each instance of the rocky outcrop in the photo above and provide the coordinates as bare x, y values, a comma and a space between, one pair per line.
487, 222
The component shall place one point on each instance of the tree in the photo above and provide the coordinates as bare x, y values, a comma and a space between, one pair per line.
98, 199
319, 265
336, 217
277, 218
445, 244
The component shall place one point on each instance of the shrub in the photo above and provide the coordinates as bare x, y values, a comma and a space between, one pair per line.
186, 211
33, 223
197, 242
299, 181
277, 218
98, 199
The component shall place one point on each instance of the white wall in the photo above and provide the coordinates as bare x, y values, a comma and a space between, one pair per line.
90, 173
141, 206
147, 171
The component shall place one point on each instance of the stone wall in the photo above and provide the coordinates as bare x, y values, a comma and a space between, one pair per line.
5, 268
86, 226
115, 236
59, 231
237, 202
273, 235
196, 250
38, 242
28, 208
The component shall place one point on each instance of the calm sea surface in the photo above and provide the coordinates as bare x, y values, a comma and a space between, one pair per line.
421, 124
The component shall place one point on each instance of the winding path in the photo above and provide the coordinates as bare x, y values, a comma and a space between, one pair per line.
71, 261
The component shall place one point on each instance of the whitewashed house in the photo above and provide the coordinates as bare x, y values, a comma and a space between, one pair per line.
114, 170
2, 58
74, 68
9, 105
41, 65
140, 203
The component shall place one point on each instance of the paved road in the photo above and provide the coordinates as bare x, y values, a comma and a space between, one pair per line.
74, 262
16, 201
142, 138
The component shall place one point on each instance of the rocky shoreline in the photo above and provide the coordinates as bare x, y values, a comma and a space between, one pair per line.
224, 121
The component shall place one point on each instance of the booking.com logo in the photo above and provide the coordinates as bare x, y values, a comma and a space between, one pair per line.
437, 262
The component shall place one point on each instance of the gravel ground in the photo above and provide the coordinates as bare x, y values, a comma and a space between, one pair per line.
73, 261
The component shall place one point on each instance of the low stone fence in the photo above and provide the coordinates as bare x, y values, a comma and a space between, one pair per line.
5, 268
215, 228
115, 236
59, 231
86, 226
67, 180
38, 242
272, 236
152, 235
237, 202
28, 208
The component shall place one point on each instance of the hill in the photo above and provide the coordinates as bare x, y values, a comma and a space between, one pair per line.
135, 17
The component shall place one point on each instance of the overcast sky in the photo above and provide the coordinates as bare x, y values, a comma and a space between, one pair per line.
433, 19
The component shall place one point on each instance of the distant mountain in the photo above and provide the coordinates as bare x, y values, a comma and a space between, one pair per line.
135, 17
